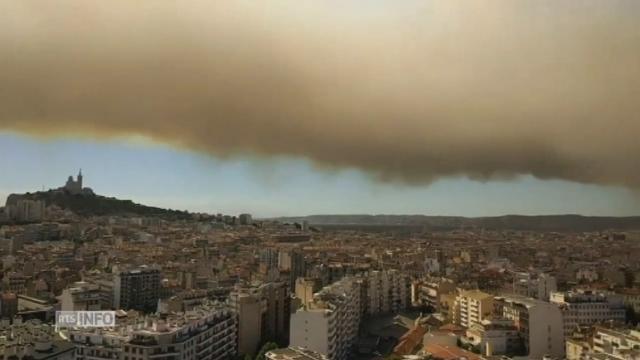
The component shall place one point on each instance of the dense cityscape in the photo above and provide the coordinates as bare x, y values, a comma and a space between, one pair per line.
199, 286
320, 180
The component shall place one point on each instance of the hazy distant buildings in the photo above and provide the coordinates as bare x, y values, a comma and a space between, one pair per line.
245, 219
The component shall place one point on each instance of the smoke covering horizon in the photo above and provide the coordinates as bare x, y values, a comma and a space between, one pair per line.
411, 91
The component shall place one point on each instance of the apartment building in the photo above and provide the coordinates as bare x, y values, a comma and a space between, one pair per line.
606, 343
585, 308
471, 306
8, 305
277, 298
617, 343
32, 340
329, 324
137, 289
387, 292
537, 286
428, 292
539, 324
81, 296
207, 332
497, 336
305, 288
263, 314
250, 310
294, 353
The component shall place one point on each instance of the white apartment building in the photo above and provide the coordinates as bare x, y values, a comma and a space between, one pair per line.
620, 344
534, 286
387, 292
427, 292
294, 353
329, 324
32, 340
614, 344
81, 296
493, 337
471, 307
207, 332
585, 308
539, 324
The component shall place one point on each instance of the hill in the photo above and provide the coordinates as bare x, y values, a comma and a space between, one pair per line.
561, 223
96, 205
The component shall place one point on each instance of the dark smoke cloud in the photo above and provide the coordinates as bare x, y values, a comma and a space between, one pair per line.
408, 91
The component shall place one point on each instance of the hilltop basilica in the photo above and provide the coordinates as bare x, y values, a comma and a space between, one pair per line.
74, 187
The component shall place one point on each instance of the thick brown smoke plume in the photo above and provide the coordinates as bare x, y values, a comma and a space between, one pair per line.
405, 90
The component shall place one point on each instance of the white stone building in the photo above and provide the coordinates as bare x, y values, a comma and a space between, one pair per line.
207, 332
539, 324
329, 324
585, 308
471, 307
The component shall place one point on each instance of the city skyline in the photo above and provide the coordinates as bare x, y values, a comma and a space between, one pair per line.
443, 107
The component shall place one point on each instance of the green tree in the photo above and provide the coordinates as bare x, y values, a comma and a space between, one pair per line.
265, 349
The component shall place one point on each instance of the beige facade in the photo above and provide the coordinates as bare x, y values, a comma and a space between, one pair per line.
471, 307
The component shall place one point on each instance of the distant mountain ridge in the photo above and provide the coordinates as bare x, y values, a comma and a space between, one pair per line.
507, 222
95, 205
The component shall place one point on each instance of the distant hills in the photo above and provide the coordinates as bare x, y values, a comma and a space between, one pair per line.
560, 223
95, 205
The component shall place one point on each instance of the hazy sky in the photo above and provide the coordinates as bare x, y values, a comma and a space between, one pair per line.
163, 176
300, 106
